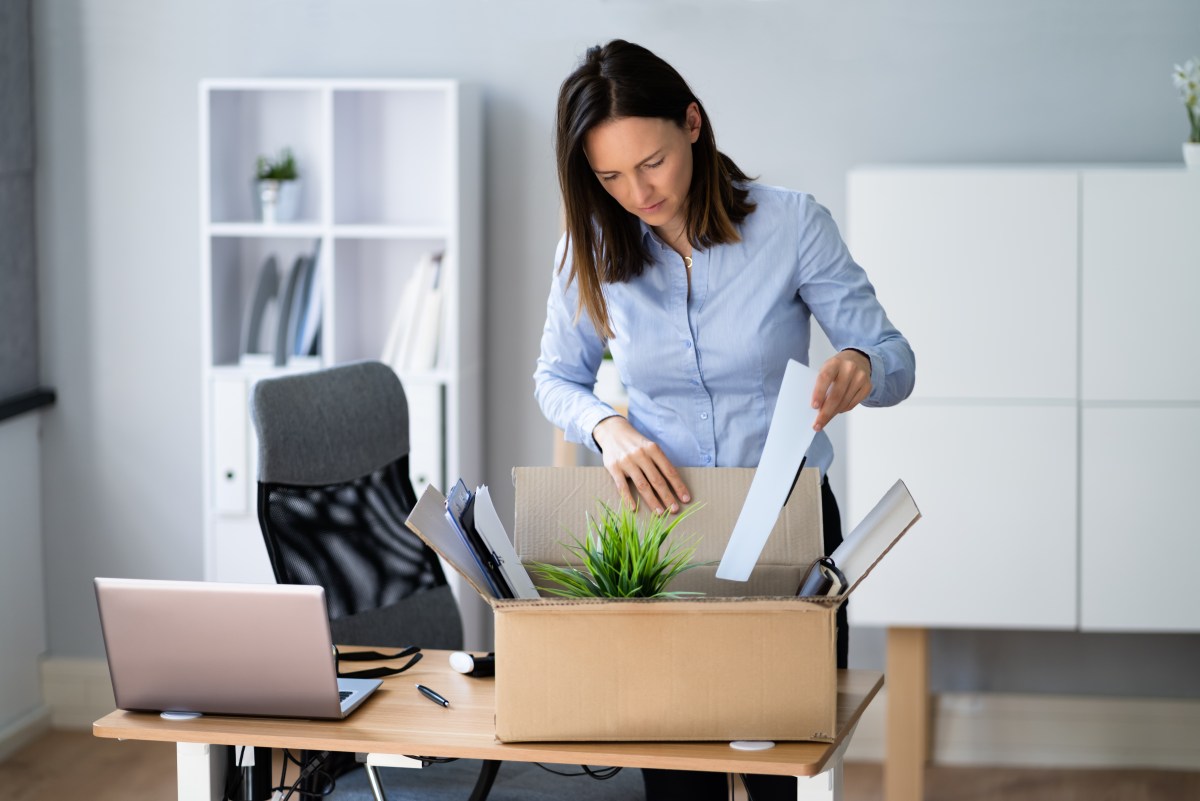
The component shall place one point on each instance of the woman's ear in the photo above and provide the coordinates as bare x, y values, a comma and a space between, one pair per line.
692, 122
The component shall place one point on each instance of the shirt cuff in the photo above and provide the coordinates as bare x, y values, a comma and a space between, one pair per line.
878, 374
582, 429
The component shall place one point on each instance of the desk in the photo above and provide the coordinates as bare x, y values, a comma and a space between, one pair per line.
397, 720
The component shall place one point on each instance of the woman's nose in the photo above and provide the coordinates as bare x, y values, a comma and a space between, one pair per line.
641, 191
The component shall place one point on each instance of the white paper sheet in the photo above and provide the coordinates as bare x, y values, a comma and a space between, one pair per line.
788, 438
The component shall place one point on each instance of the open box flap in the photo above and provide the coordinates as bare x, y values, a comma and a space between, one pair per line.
882, 528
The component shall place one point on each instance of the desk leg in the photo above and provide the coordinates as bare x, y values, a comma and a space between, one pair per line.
826, 785
200, 771
907, 748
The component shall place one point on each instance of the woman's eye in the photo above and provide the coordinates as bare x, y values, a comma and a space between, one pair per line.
656, 164
608, 178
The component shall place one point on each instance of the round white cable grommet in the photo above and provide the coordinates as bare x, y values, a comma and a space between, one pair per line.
752, 745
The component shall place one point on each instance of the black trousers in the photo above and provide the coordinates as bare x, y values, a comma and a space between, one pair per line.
688, 785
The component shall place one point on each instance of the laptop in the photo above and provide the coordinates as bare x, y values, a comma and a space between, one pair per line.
185, 647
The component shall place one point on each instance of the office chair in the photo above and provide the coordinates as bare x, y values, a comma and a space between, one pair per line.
333, 494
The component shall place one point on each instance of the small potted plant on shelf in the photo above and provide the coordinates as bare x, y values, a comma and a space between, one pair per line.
622, 558
1187, 81
278, 185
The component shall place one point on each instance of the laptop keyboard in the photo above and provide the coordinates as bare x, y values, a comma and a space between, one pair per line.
344, 694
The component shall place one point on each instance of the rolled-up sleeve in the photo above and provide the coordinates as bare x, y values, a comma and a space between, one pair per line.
843, 301
566, 367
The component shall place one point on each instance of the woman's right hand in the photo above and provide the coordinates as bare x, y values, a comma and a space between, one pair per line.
631, 457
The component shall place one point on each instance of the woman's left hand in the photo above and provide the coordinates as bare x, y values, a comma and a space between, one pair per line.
843, 382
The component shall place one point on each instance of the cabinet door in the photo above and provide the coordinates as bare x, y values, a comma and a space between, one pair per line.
231, 478
1140, 544
978, 268
427, 437
996, 543
1141, 278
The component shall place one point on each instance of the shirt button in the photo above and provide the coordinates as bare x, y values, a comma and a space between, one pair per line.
707, 459
687, 343
703, 415
695, 383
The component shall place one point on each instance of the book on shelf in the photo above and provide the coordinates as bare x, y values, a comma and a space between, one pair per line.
282, 322
308, 326
413, 336
260, 315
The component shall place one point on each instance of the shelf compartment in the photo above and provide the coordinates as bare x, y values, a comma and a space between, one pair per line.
394, 156
235, 268
370, 277
244, 124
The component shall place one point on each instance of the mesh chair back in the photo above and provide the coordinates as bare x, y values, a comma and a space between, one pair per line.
333, 495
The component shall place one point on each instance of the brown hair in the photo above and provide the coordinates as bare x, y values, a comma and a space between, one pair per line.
617, 80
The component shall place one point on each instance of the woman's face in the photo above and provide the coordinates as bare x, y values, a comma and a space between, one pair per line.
645, 163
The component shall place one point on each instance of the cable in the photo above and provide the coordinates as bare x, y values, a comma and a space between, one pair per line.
237, 771
599, 774
746, 785
310, 768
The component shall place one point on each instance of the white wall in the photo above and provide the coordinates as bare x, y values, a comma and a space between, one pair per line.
799, 91
22, 590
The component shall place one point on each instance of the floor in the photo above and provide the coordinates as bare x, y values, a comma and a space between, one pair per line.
67, 765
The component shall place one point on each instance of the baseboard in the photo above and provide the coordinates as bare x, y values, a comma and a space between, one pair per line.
22, 731
1048, 730
76, 691
969, 729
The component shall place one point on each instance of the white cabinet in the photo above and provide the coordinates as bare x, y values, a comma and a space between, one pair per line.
1050, 441
977, 268
996, 485
1141, 251
390, 170
1141, 543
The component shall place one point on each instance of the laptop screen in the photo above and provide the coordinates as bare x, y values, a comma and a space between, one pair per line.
219, 648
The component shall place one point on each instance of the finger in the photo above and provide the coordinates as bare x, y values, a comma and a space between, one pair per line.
673, 478
646, 489
664, 477
648, 463
622, 482
825, 377
835, 399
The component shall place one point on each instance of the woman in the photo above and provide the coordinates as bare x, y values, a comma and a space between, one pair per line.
700, 283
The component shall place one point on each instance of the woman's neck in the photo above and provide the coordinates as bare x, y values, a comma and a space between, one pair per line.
675, 236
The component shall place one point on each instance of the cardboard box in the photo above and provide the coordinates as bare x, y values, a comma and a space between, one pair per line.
749, 661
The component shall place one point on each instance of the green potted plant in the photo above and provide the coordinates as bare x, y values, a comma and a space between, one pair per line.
278, 186
1187, 81
622, 557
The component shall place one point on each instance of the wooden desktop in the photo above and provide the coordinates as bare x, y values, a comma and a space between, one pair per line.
398, 722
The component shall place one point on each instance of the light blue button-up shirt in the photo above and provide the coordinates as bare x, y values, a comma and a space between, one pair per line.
703, 372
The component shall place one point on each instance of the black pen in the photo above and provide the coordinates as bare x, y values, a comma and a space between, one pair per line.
432, 696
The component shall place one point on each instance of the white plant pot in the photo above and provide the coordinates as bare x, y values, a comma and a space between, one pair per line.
278, 201
1191, 154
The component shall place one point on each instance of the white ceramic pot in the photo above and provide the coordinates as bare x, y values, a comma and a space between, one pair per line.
1191, 154
278, 200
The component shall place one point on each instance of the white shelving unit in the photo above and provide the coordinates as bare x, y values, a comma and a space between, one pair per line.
1050, 437
389, 170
